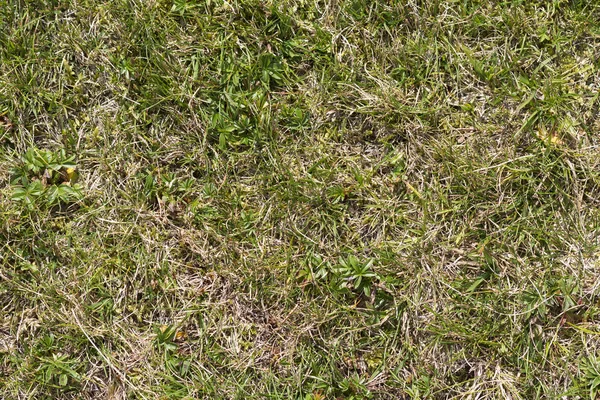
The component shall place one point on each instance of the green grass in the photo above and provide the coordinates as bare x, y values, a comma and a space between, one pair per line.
299, 199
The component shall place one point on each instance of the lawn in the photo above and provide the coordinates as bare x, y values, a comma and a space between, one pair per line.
362, 199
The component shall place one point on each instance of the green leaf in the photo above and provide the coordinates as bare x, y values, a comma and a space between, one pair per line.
19, 193
475, 285
222, 141
35, 188
51, 194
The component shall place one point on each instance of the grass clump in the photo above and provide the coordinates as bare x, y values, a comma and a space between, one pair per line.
42, 174
306, 200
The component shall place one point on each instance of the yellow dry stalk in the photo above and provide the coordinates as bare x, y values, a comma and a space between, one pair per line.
548, 137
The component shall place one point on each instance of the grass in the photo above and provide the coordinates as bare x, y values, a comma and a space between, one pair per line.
299, 200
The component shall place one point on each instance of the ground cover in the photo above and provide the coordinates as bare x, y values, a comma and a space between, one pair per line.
299, 199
